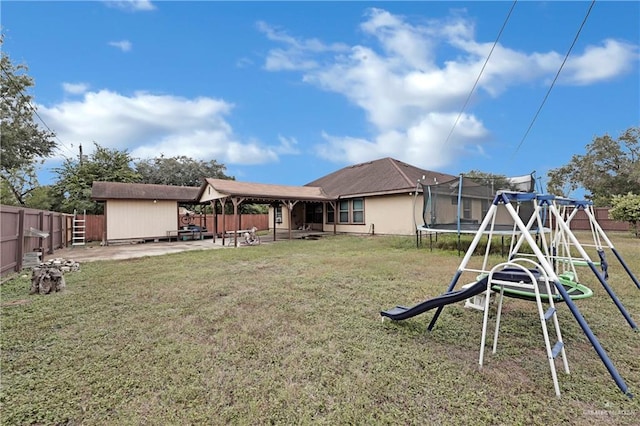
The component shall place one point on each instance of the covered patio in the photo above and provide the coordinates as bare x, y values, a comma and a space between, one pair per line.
223, 191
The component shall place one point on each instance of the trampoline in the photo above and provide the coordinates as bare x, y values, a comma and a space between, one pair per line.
458, 206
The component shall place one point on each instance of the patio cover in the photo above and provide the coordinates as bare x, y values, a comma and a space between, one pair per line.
239, 192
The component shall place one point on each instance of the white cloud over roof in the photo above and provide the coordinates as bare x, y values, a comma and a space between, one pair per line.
411, 97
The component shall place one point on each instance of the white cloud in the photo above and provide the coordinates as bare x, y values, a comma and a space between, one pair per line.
124, 45
297, 52
147, 125
75, 88
421, 143
287, 146
131, 5
601, 62
411, 95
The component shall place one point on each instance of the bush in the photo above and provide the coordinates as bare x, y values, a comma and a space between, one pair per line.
626, 208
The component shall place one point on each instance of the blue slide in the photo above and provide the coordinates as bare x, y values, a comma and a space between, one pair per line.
400, 312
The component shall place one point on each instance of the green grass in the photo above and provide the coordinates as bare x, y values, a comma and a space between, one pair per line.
290, 333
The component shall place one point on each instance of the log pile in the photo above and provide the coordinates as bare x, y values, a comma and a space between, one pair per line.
48, 277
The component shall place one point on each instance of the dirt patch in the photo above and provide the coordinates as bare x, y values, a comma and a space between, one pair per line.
16, 302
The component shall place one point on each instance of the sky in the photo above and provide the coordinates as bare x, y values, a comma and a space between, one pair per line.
287, 92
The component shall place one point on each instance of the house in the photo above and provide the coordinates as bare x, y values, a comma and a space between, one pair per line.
372, 197
382, 197
140, 211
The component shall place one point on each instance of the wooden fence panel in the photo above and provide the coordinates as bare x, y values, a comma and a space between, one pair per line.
95, 228
95, 224
9, 240
226, 223
580, 222
21, 231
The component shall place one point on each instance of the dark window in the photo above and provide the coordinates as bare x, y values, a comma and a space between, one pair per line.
484, 205
313, 213
358, 210
466, 208
330, 213
344, 212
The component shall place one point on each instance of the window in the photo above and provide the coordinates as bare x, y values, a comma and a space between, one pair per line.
358, 210
484, 206
454, 200
313, 213
351, 211
330, 213
278, 212
466, 208
344, 212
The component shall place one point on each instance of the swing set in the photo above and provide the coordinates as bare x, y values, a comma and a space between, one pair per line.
541, 267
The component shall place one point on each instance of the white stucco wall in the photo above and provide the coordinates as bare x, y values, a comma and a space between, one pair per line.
127, 219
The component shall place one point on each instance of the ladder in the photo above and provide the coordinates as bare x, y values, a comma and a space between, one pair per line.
529, 282
79, 228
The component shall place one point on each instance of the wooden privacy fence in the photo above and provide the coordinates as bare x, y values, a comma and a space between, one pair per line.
95, 224
226, 222
581, 222
26, 231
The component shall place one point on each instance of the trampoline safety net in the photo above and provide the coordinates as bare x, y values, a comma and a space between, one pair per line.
459, 205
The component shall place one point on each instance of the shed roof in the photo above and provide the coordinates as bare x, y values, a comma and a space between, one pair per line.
101, 191
220, 188
379, 177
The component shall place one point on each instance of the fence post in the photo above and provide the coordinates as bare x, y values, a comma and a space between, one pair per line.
50, 234
41, 228
20, 242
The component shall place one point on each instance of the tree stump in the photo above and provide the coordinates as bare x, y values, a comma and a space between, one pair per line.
46, 279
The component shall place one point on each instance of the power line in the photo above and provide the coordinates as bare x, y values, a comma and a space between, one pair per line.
466, 102
575, 39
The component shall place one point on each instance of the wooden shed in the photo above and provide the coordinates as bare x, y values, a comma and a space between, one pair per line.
140, 211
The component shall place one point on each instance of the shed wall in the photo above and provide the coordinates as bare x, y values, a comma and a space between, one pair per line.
130, 219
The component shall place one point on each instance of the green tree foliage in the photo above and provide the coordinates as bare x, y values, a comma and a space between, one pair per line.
22, 141
610, 167
18, 186
180, 171
492, 180
627, 208
75, 178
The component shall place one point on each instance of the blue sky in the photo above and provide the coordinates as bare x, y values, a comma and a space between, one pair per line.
287, 92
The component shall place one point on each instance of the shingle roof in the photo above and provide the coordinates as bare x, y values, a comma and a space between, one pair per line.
262, 191
141, 191
383, 176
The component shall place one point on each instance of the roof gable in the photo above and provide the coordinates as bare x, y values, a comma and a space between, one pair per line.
383, 176
221, 188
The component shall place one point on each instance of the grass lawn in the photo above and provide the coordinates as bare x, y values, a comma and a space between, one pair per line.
290, 333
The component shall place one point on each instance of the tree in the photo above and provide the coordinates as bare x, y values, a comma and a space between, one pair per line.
76, 177
180, 171
627, 208
22, 141
491, 180
18, 185
610, 167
